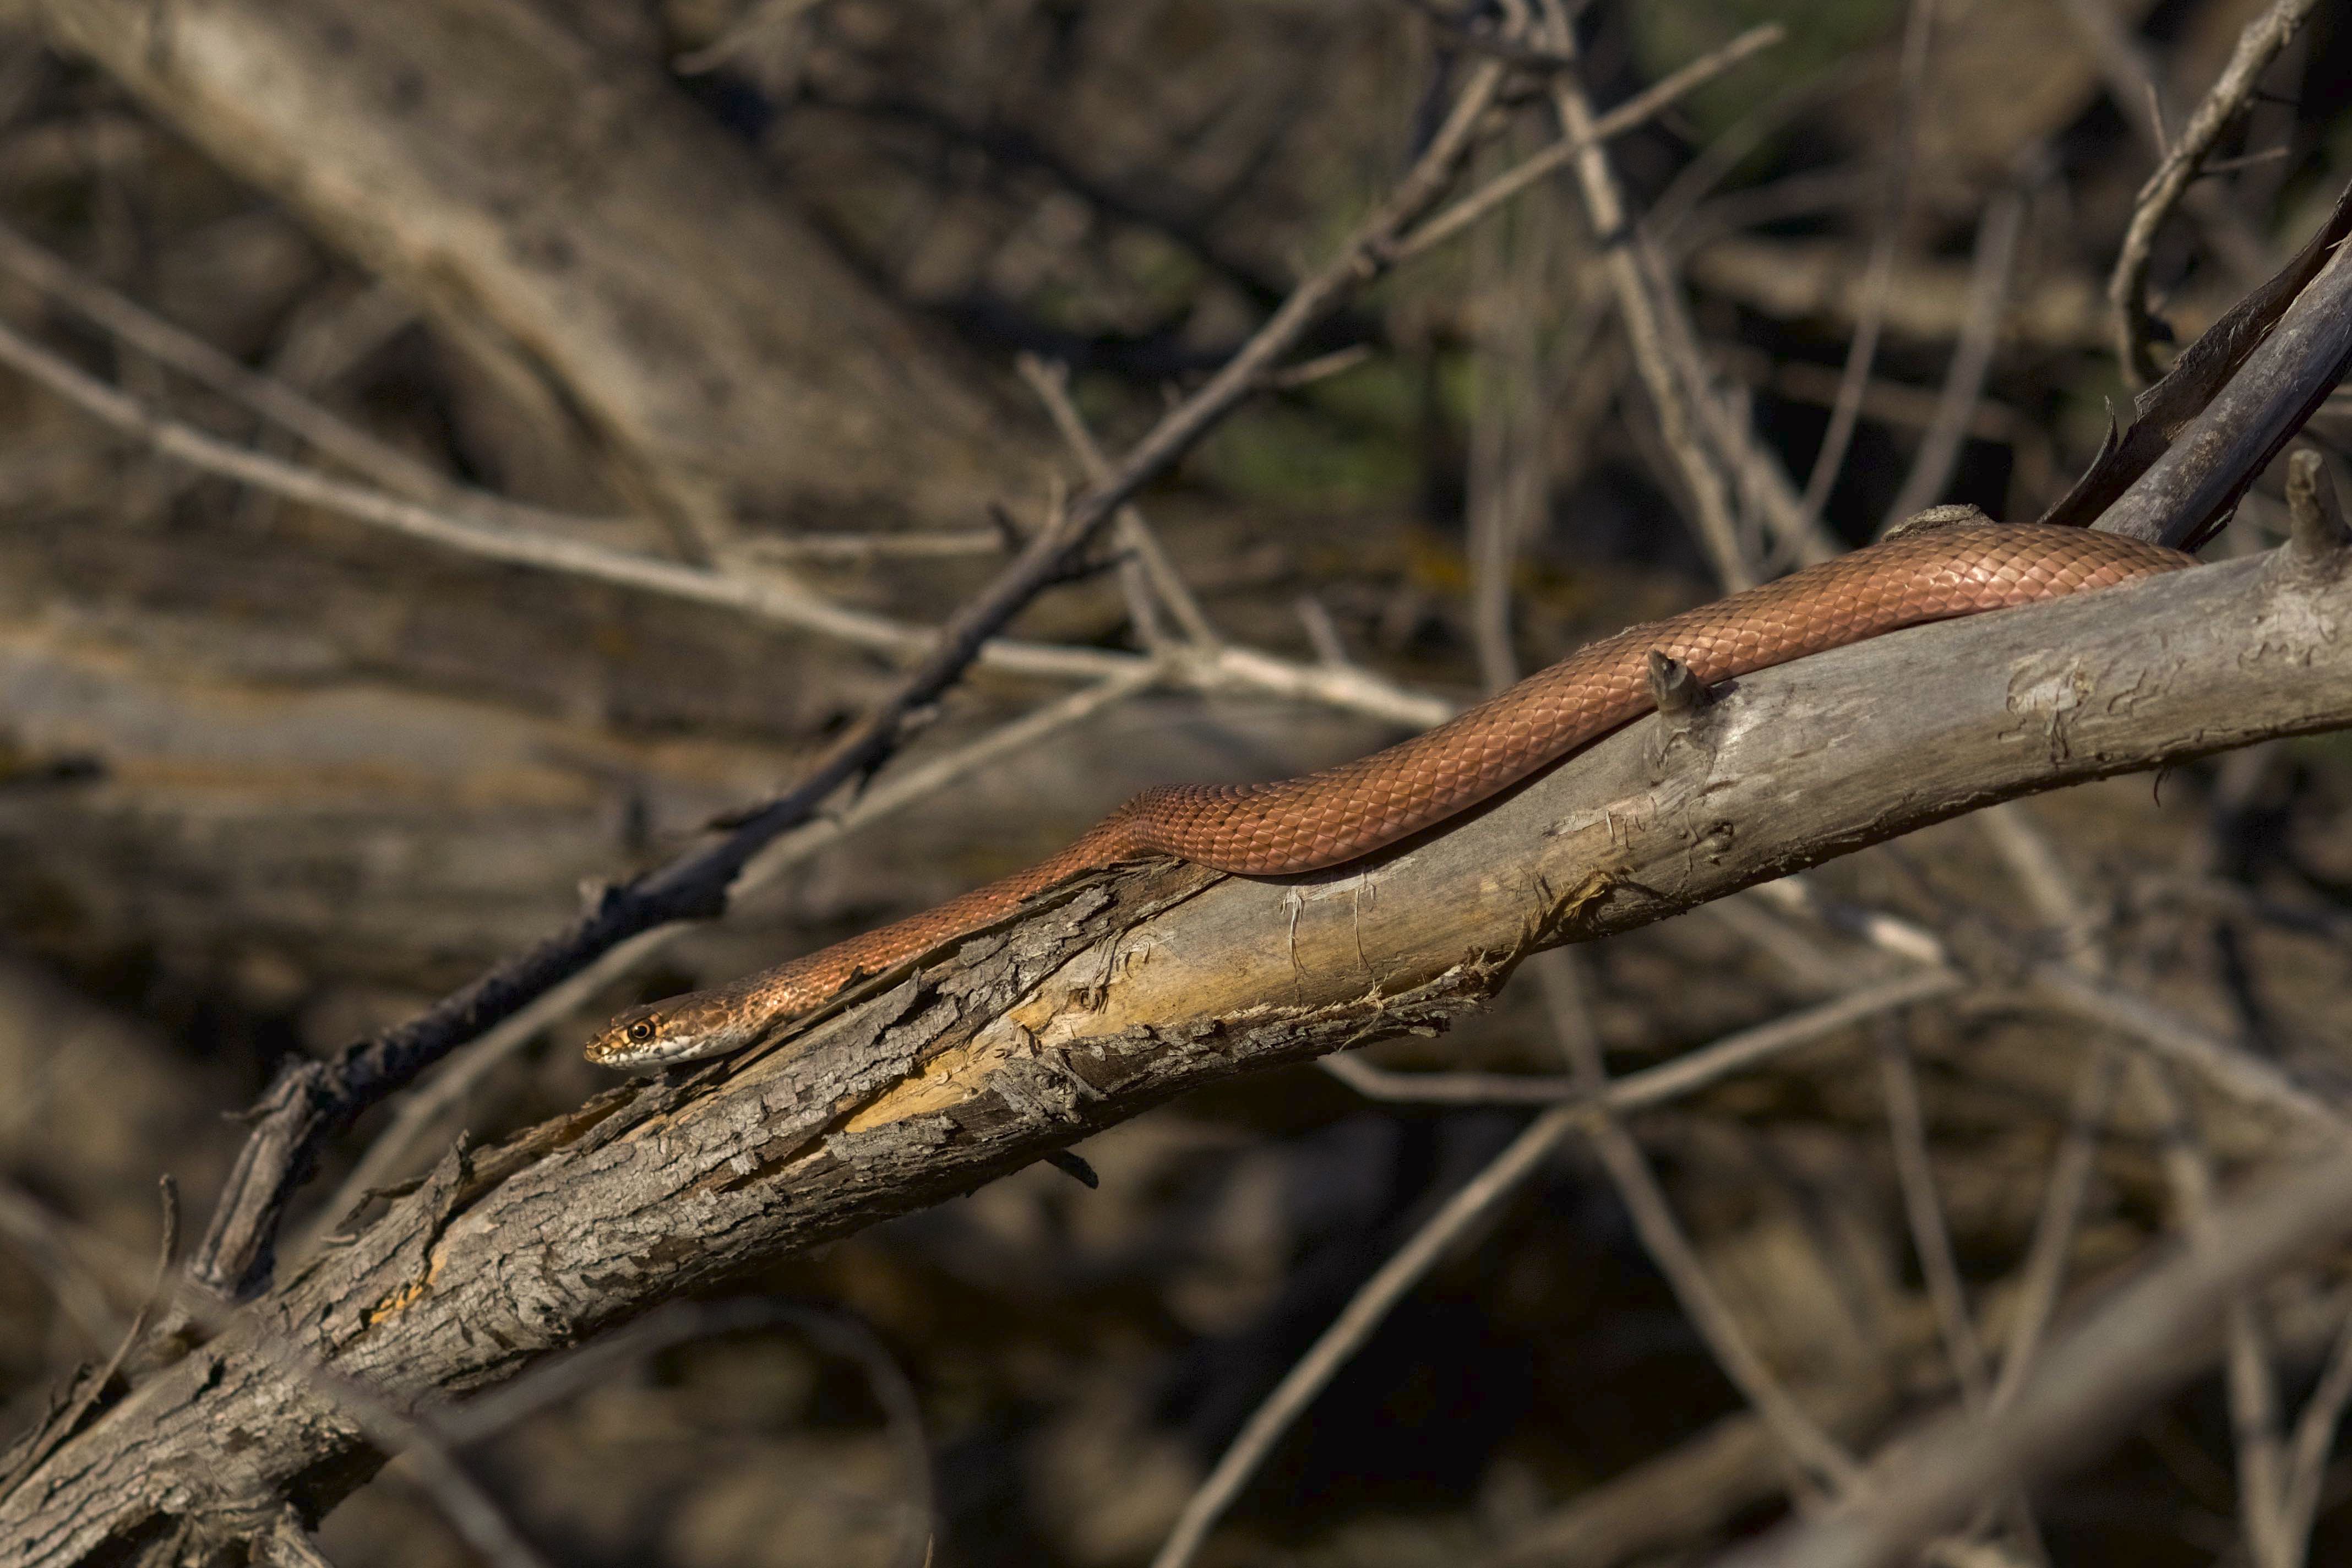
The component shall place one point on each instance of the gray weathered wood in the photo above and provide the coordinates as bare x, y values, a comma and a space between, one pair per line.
572, 209
1156, 981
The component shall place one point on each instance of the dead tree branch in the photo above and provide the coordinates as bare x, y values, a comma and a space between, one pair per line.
2149, 1339
1152, 982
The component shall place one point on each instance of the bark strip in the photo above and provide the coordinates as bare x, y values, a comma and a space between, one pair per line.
1127, 991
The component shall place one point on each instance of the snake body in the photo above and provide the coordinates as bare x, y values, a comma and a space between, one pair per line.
1339, 813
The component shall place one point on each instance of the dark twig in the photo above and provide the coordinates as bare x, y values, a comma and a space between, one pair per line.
1364, 1313
1675, 691
1473, 31
435, 1097
2128, 286
1144, 204
313, 1101
2229, 402
1638, 109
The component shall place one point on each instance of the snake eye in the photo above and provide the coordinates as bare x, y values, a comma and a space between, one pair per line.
641, 1031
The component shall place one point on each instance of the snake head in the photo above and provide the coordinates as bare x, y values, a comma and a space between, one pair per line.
676, 1029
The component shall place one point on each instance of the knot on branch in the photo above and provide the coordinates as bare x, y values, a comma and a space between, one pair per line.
2317, 535
1679, 694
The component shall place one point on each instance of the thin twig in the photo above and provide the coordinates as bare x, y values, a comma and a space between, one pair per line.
2253, 1395
1931, 1242
2046, 1256
1322, 631
956, 541
766, 16
1894, 213
2253, 1387
68, 1421
1676, 1256
2314, 1438
423, 1108
1931, 1237
1674, 392
1052, 385
1888, 933
496, 540
1807, 963
311, 1100
1364, 1313
2145, 1340
470, 1508
272, 399
2222, 1064
2136, 85
1713, 448
764, 598
2258, 45
1509, 471
1307, 372
45, 1244
1686, 1074
1636, 110
1714, 163
2052, 891
1939, 449
1391, 1087
288, 1544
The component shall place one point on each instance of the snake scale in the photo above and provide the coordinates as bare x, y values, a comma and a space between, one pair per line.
1339, 813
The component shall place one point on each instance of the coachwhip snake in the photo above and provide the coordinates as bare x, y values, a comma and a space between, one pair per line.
1339, 813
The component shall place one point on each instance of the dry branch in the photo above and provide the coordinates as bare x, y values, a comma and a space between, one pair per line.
313, 1100
1134, 989
2264, 37
1141, 984
572, 209
2145, 1341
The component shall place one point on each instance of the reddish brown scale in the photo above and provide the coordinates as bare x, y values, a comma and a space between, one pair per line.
1325, 818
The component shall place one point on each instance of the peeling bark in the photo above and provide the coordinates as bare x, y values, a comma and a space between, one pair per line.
1124, 992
